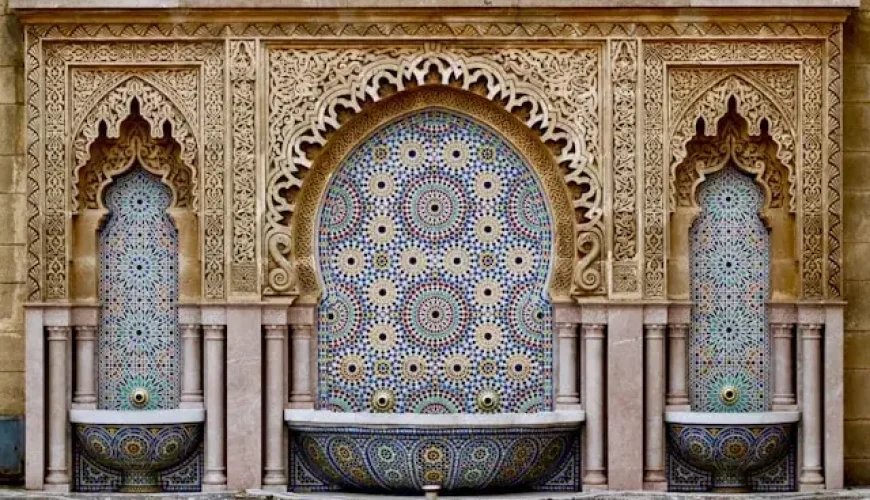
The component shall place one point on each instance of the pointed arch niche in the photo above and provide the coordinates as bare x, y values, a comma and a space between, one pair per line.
753, 155
135, 146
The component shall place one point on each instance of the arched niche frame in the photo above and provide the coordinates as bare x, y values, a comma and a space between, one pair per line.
734, 146
477, 108
109, 157
555, 92
108, 108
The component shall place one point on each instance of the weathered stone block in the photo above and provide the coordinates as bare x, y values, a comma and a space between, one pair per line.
856, 171
857, 314
856, 223
12, 352
855, 383
855, 136
11, 393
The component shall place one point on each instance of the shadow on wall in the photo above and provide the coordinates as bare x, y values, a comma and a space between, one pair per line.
11, 450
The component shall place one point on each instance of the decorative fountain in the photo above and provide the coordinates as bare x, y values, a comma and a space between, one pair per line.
137, 429
435, 248
730, 431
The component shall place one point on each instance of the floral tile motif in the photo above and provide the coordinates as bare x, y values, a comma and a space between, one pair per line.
435, 247
138, 338
730, 272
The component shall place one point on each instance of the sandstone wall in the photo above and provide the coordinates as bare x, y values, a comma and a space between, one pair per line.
13, 221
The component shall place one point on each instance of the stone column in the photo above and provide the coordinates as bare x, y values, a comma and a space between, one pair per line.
678, 335
596, 473
304, 351
811, 402
567, 395
191, 369
215, 478
274, 468
85, 395
654, 402
57, 478
783, 364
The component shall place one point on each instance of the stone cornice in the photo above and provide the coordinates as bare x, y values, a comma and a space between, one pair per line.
451, 11
343, 4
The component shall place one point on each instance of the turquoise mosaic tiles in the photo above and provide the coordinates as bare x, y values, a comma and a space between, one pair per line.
435, 246
729, 353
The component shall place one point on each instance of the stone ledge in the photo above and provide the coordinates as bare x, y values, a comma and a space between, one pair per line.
339, 4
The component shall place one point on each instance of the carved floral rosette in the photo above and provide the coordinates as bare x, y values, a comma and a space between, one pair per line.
251, 104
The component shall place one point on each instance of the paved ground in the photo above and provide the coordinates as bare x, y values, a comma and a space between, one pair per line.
270, 495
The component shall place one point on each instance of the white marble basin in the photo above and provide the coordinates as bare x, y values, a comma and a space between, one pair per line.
709, 418
330, 419
137, 417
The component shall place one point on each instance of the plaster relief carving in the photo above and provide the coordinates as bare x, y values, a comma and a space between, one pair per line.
201, 134
659, 156
557, 91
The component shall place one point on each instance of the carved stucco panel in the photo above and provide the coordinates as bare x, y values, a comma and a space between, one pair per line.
660, 154
559, 90
244, 269
624, 83
106, 96
50, 166
703, 93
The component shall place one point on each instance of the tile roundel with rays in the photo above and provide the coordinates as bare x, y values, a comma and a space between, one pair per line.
435, 246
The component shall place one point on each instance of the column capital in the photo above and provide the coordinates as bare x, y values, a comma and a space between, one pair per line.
594, 330
654, 331
274, 332
58, 333
214, 332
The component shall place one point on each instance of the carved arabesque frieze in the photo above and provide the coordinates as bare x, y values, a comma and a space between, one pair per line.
556, 90
624, 82
202, 138
243, 80
111, 107
210, 72
111, 157
664, 148
733, 143
709, 102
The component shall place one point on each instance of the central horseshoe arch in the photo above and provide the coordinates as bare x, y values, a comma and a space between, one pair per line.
476, 108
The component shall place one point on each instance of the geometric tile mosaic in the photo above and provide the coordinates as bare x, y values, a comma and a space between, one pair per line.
403, 460
91, 477
435, 245
730, 275
138, 339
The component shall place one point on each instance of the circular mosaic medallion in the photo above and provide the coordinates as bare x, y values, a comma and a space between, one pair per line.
528, 316
434, 207
435, 315
342, 211
340, 316
527, 210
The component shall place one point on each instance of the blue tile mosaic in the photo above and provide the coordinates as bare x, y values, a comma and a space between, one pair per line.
729, 353
405, 460
138, 338
435, 246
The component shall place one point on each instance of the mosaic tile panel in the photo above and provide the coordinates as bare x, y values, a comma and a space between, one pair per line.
780, 476
91, 477
138, 339
434, 245
730, 268
404, 460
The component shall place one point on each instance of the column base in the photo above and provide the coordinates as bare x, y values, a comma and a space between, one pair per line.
811, 477
275, 487
594, 478
57, 487
655, 486
214, 480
